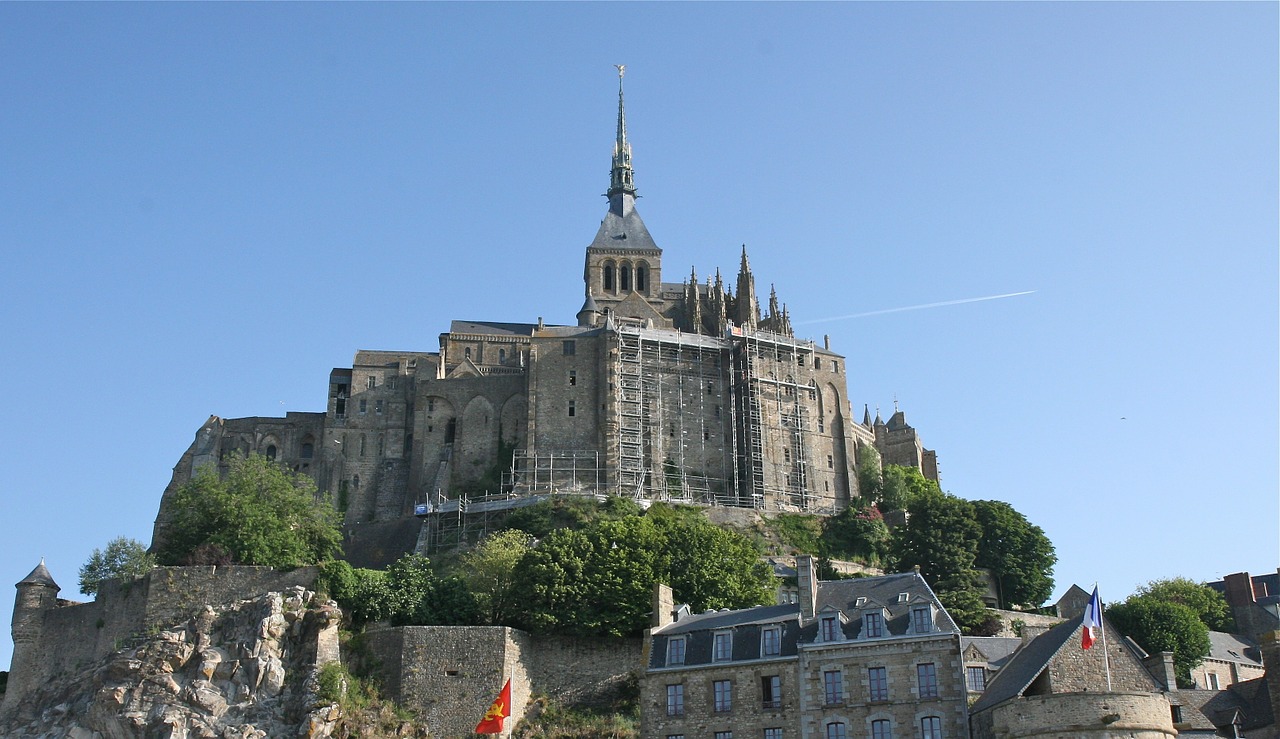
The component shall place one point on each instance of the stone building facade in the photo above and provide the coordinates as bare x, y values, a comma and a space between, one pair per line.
869, 657
682, 390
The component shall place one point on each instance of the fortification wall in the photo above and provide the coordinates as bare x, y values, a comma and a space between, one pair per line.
75, 636
450, 674
1079, 716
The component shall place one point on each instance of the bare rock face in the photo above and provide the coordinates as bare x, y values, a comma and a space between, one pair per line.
245, 671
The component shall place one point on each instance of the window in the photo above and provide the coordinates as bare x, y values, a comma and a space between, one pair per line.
608, 277
873, 624
570, 347
880, 729
722, 649
372, 381
364, 406
624, 277
380, 445
771, 642
431, 405
675, 651
775, 733
308, 449
722, 695
271, 452
830, 628
573, 408
835, 730
362, 445
832, 687
831, 462
573, 378
1175, 712
340, 408
921, 620
877, 684
711, 388
817, 363
975, 679
377, 407
724, 735
675, 700
835, 366
930, 727
927, 680
642, 277
1213, 680
771, 691
391, 382
675, 736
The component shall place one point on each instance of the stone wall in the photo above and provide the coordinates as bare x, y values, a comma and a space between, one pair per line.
1079, 715
1015, 623
73, 636
450, 674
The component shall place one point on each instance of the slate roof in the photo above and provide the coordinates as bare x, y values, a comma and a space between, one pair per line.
1250, 699
844, 595
1234, 648
622, 232
39, 576
1026, 664
997, 649
493, 328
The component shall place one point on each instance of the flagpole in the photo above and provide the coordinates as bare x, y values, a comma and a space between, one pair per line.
1102, 621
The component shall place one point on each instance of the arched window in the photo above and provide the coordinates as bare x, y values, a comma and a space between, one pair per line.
608, 277
308, 448
642, 277
502, 356
467, 352
271, 452
624, 281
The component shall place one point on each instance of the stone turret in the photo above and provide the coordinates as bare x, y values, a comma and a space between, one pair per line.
37, 594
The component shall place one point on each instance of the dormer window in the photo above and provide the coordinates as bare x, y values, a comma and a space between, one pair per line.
921, 620
675, 651
860, 602
722, 647
771, 641
873, 624
831, 628
904, 597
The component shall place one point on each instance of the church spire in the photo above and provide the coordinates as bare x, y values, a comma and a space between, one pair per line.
622, 188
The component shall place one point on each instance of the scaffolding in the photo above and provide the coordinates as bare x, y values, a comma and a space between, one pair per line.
550, 471
671, 420
774, 375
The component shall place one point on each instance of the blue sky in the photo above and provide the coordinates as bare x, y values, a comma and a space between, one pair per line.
205, 207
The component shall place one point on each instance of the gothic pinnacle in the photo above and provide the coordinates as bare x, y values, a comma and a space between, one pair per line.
621, 177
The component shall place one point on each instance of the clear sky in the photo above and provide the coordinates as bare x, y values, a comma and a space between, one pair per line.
205, 207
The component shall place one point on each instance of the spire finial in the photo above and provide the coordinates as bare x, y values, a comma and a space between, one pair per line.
622, 188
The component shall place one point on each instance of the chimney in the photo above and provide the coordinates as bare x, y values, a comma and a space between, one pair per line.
807, 579
664, 606
1239, 589
1160, 665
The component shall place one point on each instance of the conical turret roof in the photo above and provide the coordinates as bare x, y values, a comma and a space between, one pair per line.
40, 576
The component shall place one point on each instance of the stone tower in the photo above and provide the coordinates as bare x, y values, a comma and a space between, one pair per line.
37, 593
623, 270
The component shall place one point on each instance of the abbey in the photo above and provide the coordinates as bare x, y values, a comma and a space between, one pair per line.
688, 391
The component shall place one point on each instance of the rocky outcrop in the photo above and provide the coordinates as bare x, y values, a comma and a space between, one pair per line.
246, 671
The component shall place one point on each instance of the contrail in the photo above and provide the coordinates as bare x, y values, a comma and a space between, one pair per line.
962, 301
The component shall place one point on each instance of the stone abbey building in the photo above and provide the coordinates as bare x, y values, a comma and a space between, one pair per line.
688, 391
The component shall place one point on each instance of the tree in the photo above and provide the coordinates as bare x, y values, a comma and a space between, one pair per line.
941, 538
1208, 604
489, 572
259, 514
123, 558
869, 474
901, 486
599, 580
417, 597
857, 533
1018, 554
1163, 626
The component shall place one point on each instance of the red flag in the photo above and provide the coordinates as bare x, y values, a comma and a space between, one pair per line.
499, 711
1092, 620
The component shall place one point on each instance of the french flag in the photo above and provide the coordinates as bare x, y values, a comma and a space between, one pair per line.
1092, 620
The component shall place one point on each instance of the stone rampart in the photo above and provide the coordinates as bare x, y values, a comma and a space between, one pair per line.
450, 674
1080, 716
74, 636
